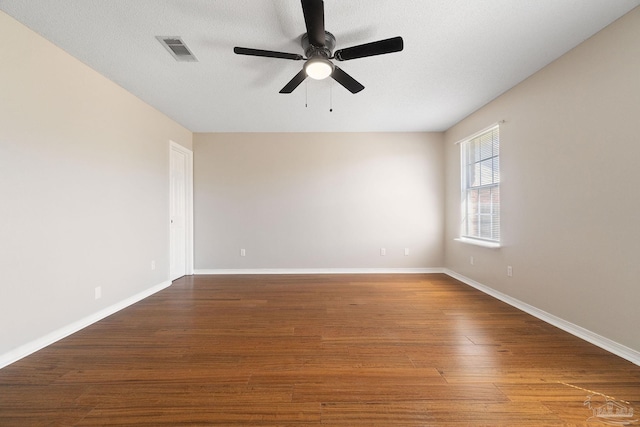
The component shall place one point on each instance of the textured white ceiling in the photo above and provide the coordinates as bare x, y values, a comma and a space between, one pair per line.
458, 55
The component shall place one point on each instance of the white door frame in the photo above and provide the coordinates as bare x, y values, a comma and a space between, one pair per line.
188, 208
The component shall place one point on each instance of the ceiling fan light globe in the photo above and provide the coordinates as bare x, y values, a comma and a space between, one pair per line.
318, 68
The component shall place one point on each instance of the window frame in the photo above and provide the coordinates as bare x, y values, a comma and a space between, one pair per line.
466, 235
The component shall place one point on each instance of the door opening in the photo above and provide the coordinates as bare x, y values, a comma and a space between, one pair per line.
180, 211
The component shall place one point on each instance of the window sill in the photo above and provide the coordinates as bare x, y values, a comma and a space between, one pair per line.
483, 243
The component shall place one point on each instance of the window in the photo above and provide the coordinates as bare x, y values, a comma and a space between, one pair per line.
481, 186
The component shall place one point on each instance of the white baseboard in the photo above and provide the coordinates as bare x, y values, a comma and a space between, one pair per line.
42, 342
618, 349
321, 271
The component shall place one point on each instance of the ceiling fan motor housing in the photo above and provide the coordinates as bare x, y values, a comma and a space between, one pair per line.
323, 51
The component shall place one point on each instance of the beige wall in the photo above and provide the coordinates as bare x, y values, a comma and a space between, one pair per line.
318, 200
570, 198
83, 187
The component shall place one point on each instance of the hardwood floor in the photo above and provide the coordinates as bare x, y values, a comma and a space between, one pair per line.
344, 350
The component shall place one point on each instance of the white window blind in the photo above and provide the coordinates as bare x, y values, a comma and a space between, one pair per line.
481, 186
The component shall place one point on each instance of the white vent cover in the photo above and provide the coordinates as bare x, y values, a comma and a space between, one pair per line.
177, 48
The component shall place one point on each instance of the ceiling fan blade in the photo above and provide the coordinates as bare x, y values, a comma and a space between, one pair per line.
294, 82
380, 47
349, 83
266, 53
313, 11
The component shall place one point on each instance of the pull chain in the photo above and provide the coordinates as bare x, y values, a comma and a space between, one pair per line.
306, 94
331, 98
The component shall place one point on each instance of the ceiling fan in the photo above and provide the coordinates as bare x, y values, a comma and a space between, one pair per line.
318, 45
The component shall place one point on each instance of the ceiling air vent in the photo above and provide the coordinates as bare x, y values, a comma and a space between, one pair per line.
177, 48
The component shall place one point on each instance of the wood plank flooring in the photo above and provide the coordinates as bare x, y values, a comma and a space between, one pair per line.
343, 350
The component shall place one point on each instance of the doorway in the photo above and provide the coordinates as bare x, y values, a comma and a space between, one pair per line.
180, 211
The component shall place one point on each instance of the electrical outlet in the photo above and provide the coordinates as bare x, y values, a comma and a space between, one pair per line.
243, 252
471, 261
509, 271
153, 265
406, 251
98, 292
383, 251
